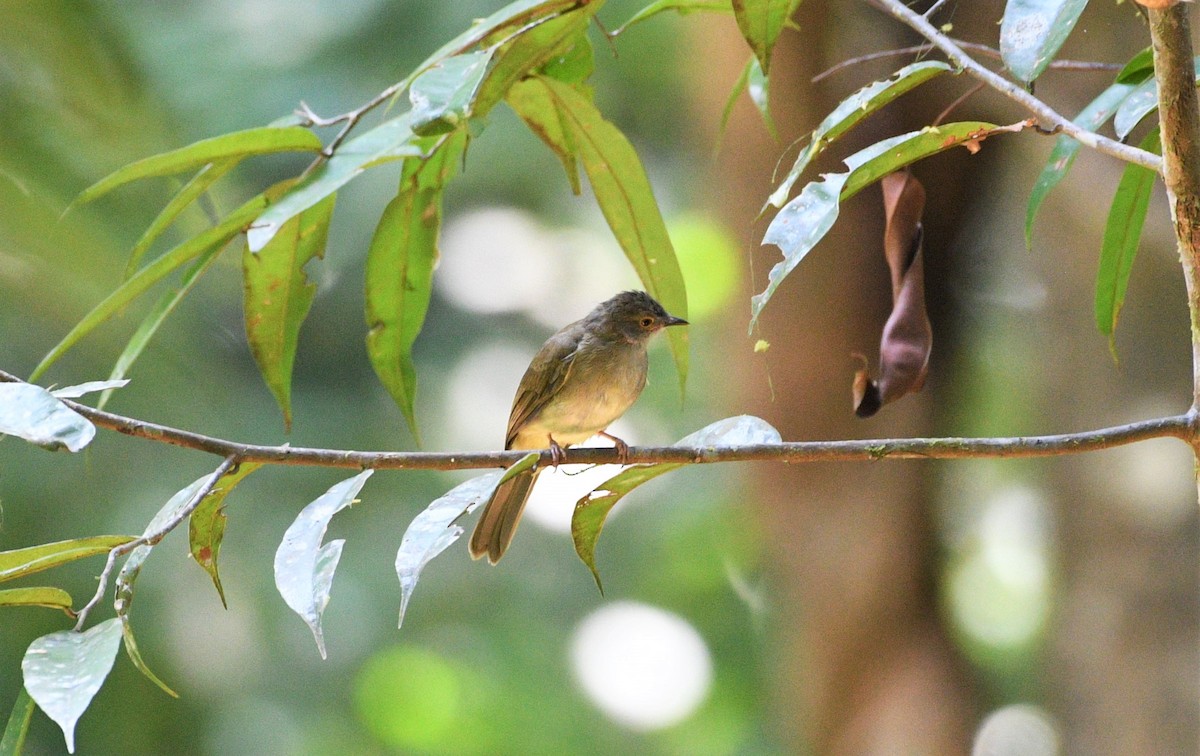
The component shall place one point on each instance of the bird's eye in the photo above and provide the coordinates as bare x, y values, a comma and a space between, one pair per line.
647, 322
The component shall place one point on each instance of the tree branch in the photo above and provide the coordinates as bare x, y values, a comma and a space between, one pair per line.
1184, 427
1047, 115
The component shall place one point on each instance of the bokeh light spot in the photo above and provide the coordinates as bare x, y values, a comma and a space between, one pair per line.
708, 257
408, 697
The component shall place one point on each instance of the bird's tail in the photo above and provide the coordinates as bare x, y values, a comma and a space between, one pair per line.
498, 523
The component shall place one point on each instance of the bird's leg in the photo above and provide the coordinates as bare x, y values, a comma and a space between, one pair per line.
622, 447
557, 455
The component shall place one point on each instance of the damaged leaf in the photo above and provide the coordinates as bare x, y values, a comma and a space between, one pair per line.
907, 336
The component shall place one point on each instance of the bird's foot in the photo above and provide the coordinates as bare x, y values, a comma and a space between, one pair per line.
557, 453
621, 446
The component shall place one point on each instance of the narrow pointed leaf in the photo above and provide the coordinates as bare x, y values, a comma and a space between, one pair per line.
135, 656
1142, 101
206, 526
1122, 234
238, 145
193, 189
213, 238
36, 415
21, 562
532, 102
1032, 31
592, 510
157, 315
399, 275
47, 596
442, 96
389, 141
82, 389
433, 530
627, 201
1092, 117
758, 87
804, 221
64, 670
13, 740
278, 295
683, 7
303, 567
852, 111
735, 92
761, 22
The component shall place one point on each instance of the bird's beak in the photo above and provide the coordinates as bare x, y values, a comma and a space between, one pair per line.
673, 321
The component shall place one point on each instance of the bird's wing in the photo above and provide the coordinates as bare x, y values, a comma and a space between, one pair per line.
547, 373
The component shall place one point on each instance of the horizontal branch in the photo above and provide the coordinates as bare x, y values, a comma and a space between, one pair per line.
1183, 427
1048, 117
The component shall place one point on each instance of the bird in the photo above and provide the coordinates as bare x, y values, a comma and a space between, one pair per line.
581, 380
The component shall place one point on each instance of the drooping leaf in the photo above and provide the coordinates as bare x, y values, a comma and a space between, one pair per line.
758, 87
278, 295
238, 145
27, 561
399, 276
433, 530
1092, 117
735, 92
47, 596
13, 740
157, 315
907, 336
64, 670
206, 526
303, 567
532, 102
1032, 31
761, 22
1122, 234
90, 387
135, 656
391, 140
573, 65
851, 111
193, 189
214, 238
36, 415
627, 201
442, 96
805, 220
592, 510
682, 6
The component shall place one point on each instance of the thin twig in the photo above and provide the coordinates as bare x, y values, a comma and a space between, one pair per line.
1044, 112
991, 52
950, 108
150, 539
1176, 426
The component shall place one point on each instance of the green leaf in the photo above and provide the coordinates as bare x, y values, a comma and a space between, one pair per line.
1092, 117
1122, 233
49, 597
532, 102
682, 6
758, 87
1032, 31
206, 526
391, 140
303, 567
735, 92
64, 670
13, 741
1139, 68
278, 296
627, 201
805, 220
140, 282
194, 188
238, 145
436, 527
34, 414
1140, 103
592, 510
399, 276
576, 64
135, 656
442, 96
27, 561
761, 22
157, 315
852, 111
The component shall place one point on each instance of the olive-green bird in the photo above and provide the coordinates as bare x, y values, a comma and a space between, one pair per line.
582, 379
